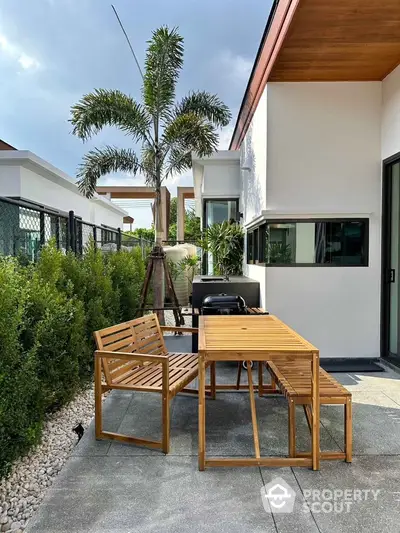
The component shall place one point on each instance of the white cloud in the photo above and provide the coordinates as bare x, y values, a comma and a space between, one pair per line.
225, 137
15, 53
27, 62
234, 66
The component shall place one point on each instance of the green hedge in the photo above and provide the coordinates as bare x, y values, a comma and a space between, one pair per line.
48, 313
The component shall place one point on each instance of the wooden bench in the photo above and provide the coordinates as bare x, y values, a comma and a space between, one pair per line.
293, 380
133, 356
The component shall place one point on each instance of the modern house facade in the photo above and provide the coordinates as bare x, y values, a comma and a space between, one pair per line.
314, 171
25, 175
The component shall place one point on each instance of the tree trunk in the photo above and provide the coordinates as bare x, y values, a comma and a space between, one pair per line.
158, 271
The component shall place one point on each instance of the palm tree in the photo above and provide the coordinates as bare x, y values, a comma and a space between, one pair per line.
166, 131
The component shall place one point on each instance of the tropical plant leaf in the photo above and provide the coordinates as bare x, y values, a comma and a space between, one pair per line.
186, 134
225, 242
204, 105
164, 60
99, 162
109, 108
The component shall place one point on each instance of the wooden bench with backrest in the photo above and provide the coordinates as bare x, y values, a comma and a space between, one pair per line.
133, 356
293, 380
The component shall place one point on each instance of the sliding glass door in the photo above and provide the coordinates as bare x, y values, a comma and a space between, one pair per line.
391, 262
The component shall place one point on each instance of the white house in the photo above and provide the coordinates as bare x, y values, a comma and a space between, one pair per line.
35, 201
313, 173
25, 175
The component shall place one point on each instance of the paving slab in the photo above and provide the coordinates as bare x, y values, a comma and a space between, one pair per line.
111, 487
148, 494
376, 423
365, 513
115, 407
300, 519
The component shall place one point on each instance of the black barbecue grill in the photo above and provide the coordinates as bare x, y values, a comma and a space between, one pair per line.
220, 304
223, 304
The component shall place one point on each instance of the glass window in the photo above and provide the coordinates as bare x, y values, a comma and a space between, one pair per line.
218, 211
317, 242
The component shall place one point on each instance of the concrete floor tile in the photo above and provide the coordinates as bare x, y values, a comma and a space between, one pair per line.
147, 494
376, 423
380, 515
114, 409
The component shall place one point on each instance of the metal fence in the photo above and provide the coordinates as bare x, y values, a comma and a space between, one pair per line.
25, 227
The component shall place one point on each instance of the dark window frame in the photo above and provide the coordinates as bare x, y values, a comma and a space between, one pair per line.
261, 246
206, 200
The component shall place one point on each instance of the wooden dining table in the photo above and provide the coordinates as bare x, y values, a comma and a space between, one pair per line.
254, 338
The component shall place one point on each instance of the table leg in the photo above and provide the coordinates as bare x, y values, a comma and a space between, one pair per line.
315, 411
202, 412
253, 411
213, 379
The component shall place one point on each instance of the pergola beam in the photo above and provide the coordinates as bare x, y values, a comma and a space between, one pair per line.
135, 193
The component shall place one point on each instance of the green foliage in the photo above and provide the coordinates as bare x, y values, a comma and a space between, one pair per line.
225, 241
20, 399
143, 233
127, 276
167, 130
278, 252
48, 313
190, 265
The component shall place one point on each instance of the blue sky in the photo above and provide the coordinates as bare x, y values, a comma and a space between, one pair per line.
54, 51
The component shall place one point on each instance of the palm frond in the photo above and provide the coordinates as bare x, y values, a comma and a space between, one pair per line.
204, 105
178, 161
148, 162
186, 134
164, 60
109, 108
99, 162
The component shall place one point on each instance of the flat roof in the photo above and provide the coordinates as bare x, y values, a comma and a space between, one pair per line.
29, 160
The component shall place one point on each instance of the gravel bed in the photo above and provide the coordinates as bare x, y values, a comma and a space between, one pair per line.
23, 490
170, 320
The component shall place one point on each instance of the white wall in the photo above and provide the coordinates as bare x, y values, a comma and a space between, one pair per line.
324, 147
10, 183
38, 189
221, 180
253, 199
253, 163
391, 114
24, 175
324, 157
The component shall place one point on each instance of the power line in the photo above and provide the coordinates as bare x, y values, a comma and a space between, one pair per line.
128, 41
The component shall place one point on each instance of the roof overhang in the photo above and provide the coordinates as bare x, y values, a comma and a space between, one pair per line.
30, 161
322, 40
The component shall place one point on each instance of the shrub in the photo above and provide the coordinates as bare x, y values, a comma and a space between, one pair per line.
89, 279
48, 313
21, 411
127, 275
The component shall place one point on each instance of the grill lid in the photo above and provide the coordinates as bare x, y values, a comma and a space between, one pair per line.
224, 301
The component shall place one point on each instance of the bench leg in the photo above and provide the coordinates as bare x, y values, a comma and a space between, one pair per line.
98, 398
165, 412
239, 375
348, 432
260, 378
292, 428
